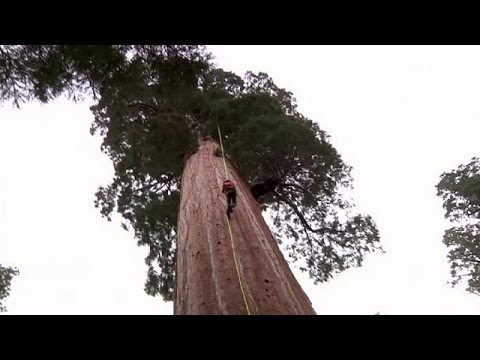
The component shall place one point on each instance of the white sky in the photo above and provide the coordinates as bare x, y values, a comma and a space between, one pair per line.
400, 115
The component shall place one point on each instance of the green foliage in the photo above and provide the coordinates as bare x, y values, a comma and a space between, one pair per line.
6, 276
146, 118
460, 191
43, 72
155, 102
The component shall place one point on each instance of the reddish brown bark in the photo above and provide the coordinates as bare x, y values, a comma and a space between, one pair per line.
206, 279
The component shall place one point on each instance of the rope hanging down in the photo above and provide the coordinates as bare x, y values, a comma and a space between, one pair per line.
247, 307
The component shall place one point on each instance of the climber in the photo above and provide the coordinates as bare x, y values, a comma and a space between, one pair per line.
229, 190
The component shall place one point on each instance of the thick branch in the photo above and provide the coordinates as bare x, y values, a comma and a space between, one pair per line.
300, 216
260, 189
146, 106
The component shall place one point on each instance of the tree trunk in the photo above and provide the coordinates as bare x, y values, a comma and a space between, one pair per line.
206, 276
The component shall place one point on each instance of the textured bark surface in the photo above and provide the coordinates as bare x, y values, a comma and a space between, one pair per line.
206, 279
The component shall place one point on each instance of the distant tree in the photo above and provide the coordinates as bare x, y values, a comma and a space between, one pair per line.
460, 191
6, 276
158, 108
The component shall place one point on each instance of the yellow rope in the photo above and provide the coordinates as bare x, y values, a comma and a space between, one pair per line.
230, 231
238, 270
223, 154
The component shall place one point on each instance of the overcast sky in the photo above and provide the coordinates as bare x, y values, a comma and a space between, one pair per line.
400, 115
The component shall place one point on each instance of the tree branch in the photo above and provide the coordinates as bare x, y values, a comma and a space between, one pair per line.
165, 182
290, 162
271, 169
472, 257
295, 186
474, 211
146, 106
300, 216
302, 189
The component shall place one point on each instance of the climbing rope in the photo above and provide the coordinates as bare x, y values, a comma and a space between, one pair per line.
247, 307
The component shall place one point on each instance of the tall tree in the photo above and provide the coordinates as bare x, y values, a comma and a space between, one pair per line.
460, 191
157, 106
212, 250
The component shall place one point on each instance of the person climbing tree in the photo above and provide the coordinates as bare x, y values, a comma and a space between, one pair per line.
229, 190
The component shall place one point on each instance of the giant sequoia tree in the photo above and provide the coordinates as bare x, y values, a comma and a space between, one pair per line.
158, 108
460, 191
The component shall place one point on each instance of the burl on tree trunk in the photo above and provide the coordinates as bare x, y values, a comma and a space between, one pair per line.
206, 279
